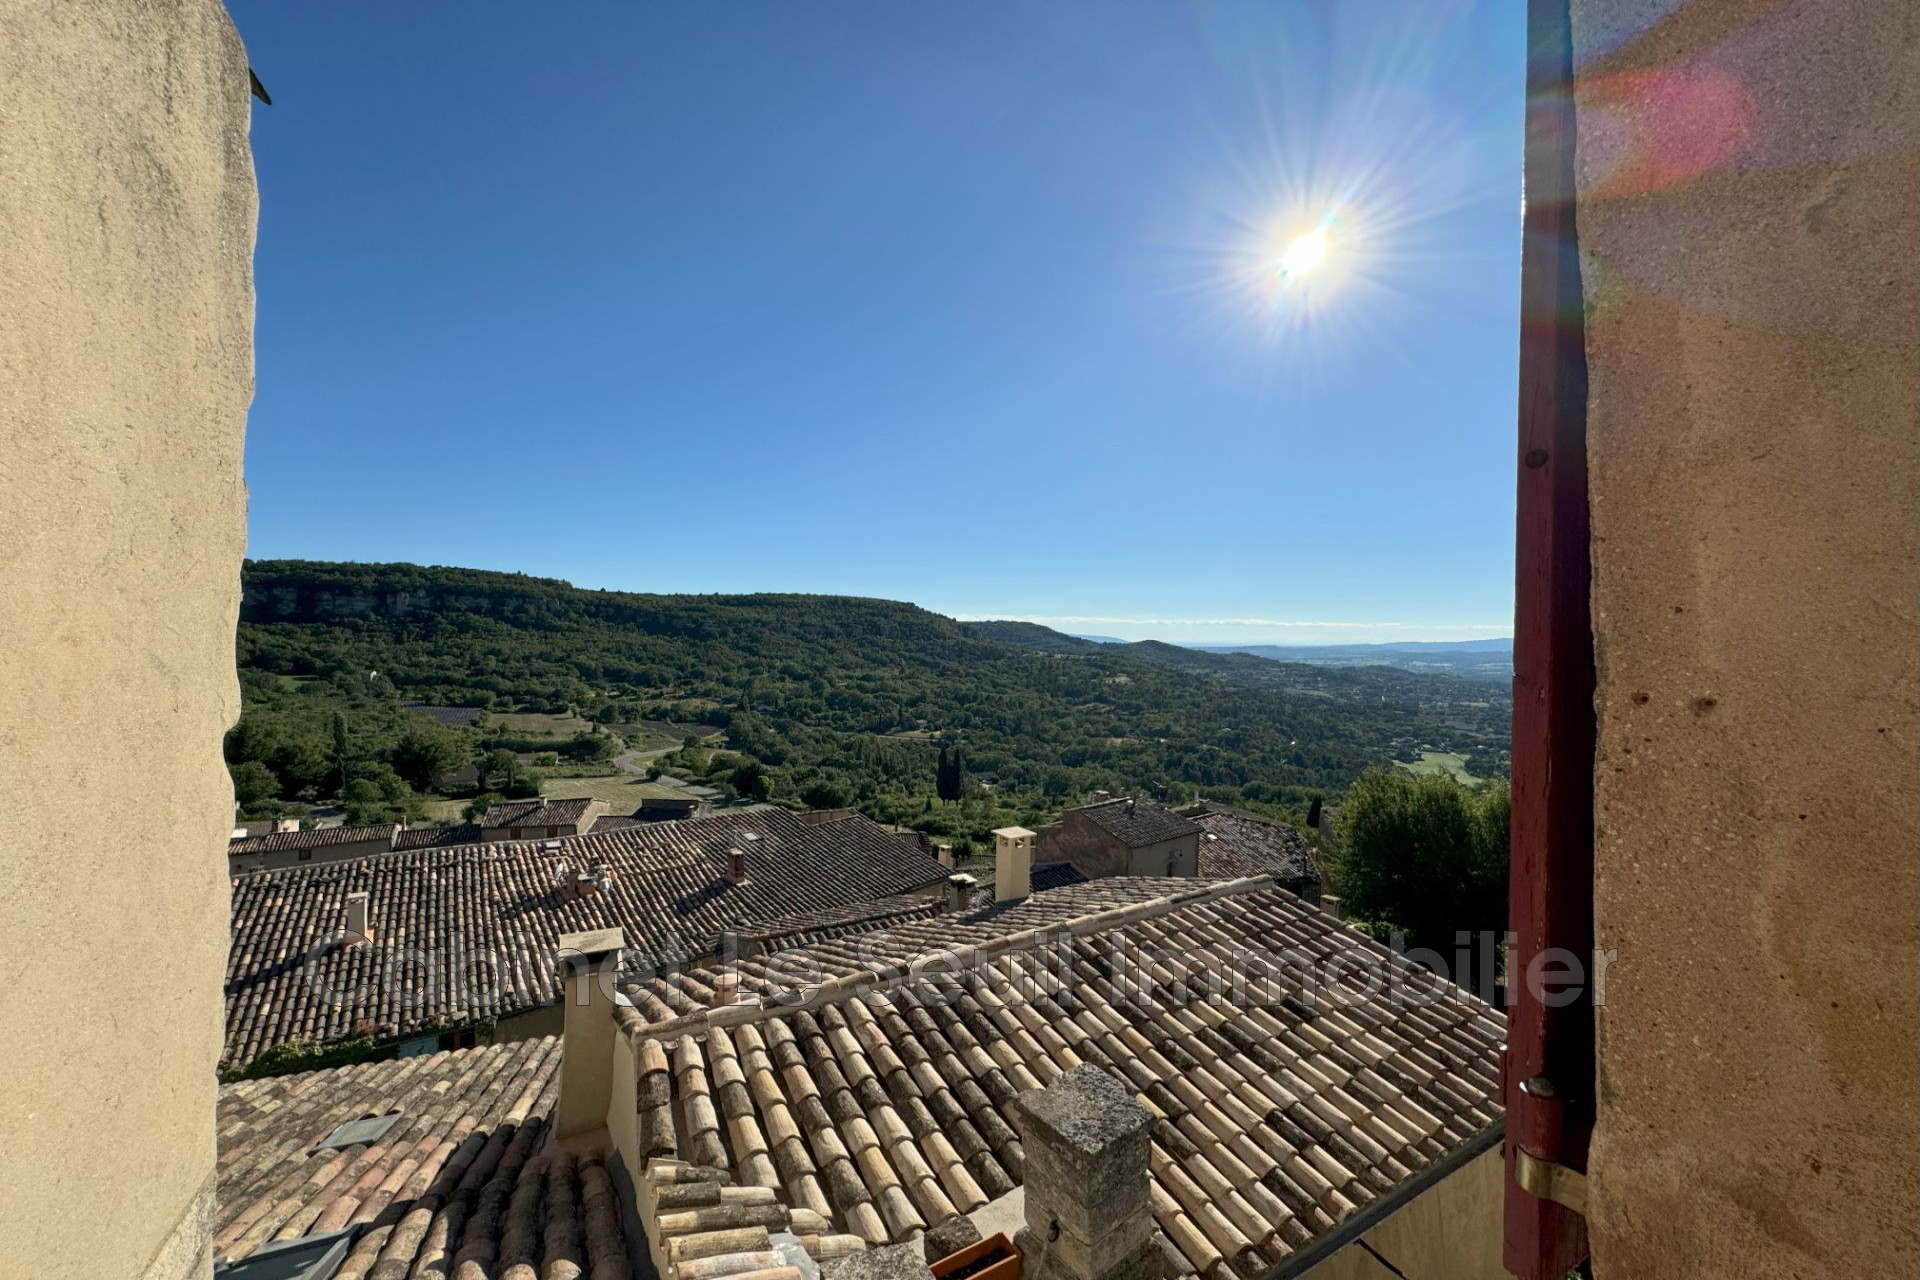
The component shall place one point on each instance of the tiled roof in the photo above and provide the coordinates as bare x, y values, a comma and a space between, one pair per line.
803, 928
1058, 875
1238, 843
1137, 823
841, 951
887, 1107
458, 1187
536, 813
437, 837
317, 838
465, 934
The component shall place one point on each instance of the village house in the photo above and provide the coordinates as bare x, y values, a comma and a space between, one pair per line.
420, 946
1124, 836
539, 819
1234, 842
291, 848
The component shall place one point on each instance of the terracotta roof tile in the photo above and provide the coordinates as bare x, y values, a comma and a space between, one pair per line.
465, 934
536, 813
315, 838
461, 1177
893, 1101
1137, 823
1234, 842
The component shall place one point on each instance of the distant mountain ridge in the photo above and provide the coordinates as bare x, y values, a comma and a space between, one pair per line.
1490, 659
836, 698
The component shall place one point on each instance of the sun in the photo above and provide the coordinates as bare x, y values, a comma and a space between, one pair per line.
1308, 250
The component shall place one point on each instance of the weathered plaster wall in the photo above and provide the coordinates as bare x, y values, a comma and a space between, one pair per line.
1750, 229
126, 324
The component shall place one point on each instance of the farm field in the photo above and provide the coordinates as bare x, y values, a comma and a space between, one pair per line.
1447, 762
623, 792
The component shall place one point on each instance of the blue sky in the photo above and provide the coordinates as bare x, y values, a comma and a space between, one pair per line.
969, 304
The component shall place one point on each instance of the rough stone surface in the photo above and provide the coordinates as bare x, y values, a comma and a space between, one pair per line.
126, 367
1082, 1113
889, 1262
1041, 1259
951, 1236
1748, 222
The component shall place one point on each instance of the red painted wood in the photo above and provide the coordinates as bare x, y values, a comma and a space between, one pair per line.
1551, 902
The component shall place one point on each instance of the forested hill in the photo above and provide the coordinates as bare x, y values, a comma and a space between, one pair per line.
839, 696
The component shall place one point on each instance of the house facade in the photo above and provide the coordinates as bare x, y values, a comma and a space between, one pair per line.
1122, 837
126, 338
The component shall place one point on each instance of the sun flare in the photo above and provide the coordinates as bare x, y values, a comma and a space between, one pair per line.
1307, 251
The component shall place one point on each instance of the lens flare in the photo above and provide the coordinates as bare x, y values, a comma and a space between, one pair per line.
1306, 252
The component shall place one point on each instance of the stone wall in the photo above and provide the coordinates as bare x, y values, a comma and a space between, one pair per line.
1749, 213
126, 366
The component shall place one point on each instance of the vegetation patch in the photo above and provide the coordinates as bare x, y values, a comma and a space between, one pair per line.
1450, 763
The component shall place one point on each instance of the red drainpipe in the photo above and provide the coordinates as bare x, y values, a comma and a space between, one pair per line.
1551, 1050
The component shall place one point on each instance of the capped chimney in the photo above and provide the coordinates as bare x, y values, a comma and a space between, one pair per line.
359, 911
737, 866
589, 964
1012, 864
960, 887
944, 852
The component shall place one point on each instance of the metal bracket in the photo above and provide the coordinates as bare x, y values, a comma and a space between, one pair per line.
1550, 1181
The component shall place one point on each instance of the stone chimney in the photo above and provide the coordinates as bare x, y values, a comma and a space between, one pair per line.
1089, 1215
1333, 906
1013, 864
944, 852
737, 866
960, 887
359, 918
588, 962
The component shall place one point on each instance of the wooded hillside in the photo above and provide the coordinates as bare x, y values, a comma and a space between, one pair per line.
840, 699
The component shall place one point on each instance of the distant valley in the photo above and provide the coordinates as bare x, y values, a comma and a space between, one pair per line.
1475, 659
819, 701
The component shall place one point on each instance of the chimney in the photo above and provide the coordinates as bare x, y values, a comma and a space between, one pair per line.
944, 852
1012, 864
1333, 906
737, 866
960, 887
588, 963
1089, 1212
286, 824
359, 926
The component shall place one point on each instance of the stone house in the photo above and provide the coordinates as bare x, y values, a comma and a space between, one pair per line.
1124, 836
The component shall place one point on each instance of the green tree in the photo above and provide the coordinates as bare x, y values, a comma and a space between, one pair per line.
1425, 855
587, 747
500, 770
424, 752
376, 793
480, 804
749, 778
1313, 814
950, 774
340, 754
253, 782
824, 793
